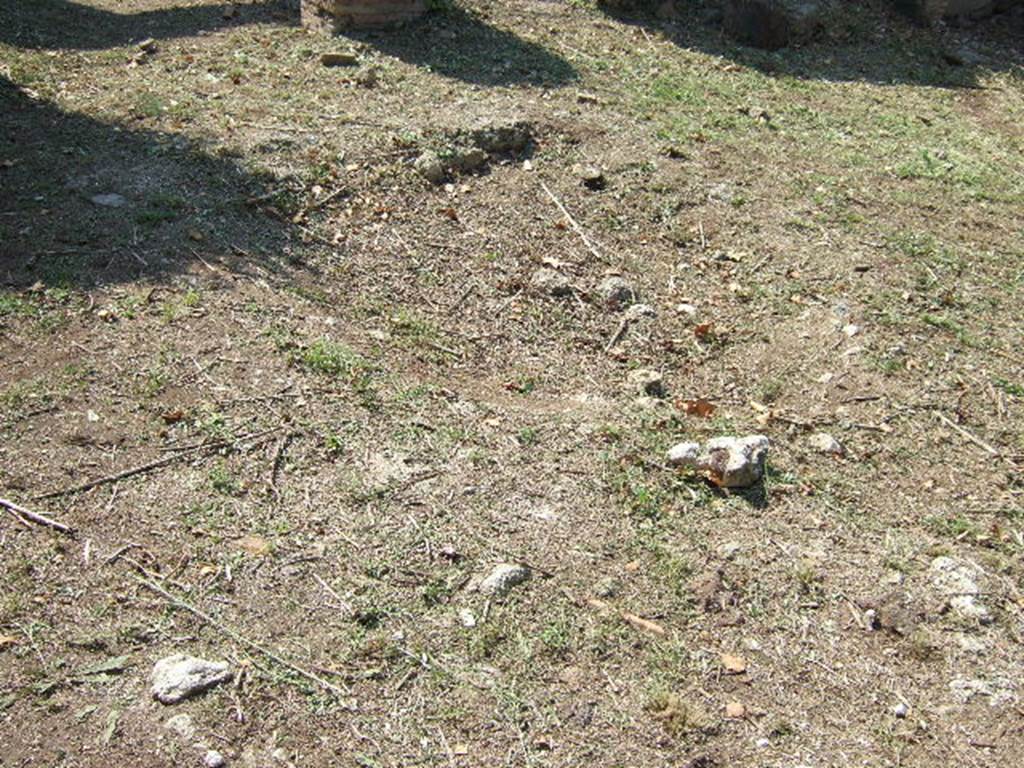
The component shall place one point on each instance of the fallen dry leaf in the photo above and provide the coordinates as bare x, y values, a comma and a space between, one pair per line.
172, 417
735, 710
644, 624
734, 665
254, 545
6, 641
703, 330
699, 407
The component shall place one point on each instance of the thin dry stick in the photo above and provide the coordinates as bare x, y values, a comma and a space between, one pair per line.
24, 514
143, 468
977, 441
579, 230
179, 603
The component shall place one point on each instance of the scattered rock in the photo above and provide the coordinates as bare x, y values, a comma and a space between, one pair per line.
110, 200
502, 578
586, 98
180, 676
649, 382
773, 24
639, 312
901, 710
897, 613
728, 462
368, 78
608, 587
684, 455
1000, 690
148, 45
429, 166
468, 160
213, 759
551, 282
591, 176
503, 138
729, 549
616, 292
467, 618
181, 725
734, 462
822, 442
686, 309
339, 59
706, 589
957, 581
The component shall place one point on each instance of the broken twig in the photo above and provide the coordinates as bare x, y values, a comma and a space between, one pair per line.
179, 603
579, 230
24, 514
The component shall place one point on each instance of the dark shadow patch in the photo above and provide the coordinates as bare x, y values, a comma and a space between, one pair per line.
65, 25
859, 43
83, 203
461, 45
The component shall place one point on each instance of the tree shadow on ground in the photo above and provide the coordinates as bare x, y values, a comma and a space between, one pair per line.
61, 24
460, 45
860, 43
167, 205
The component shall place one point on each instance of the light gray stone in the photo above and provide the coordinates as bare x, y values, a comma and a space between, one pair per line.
550, 282
734, 462
213, 759
822, 442
647, 382
616, 292
180, 676
502, 578
958, 582
429, 166
110, 200
684, 455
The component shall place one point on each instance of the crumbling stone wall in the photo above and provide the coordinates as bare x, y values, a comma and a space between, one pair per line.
337, 15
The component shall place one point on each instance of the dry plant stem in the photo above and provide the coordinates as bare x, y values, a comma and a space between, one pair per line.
143, 468
579, 230
24, 514
179, 603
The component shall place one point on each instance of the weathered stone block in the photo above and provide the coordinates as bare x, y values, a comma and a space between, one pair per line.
337, 15
773, 24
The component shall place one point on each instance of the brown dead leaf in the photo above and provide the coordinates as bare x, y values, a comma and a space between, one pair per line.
735, 710
645, 625
699, 407
703, 330
451, 213
172, 417
734, 665
254, 545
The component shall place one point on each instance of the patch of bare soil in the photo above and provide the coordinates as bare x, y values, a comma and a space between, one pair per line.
297, 401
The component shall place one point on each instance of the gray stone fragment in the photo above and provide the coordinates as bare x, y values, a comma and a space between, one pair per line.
429, 166
958, 582
551, 282
616, 292
648, 382
502, 578
110, 200
180, 676
734, 462
684, 455
822, 442
213, 759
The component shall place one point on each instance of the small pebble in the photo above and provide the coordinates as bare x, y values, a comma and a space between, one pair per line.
213, 759
901, 710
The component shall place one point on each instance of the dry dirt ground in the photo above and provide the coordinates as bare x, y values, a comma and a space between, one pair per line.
362, 403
